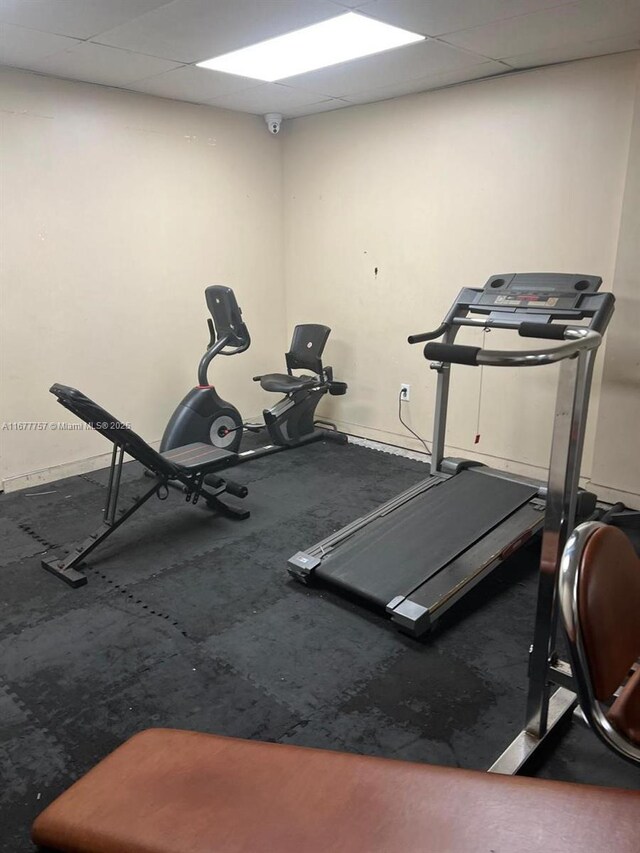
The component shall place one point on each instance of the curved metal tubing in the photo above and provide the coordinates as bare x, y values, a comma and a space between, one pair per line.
577, 340
242, 348
208, 357
429, 336
568, 598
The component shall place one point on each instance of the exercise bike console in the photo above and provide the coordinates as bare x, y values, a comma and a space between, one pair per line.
228, 334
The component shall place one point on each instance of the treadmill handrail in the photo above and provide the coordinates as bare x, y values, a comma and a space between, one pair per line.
577, 339
428, 336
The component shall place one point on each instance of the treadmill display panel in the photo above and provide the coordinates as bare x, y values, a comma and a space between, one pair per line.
538, 291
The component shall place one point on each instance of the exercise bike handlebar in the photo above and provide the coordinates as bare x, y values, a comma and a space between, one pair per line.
218, 348
234, 350
576, 339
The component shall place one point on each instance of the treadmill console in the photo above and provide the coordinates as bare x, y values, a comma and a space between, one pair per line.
514, 298
509, 300
558, 291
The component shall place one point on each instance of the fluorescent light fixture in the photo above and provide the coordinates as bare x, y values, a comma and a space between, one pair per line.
340, 39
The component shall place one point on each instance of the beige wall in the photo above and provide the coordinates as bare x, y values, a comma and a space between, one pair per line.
439, 191
617, 460
117, 210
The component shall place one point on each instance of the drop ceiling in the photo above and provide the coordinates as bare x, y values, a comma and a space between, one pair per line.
152, 46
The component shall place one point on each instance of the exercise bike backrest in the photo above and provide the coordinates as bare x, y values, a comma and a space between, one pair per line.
228, 334
307, 345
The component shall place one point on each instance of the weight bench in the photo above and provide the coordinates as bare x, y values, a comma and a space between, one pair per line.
168, 791
185, 467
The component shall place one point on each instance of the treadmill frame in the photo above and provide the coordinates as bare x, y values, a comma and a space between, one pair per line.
416, 611
551, 694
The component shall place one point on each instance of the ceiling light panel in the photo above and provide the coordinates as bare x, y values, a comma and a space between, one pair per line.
340, 39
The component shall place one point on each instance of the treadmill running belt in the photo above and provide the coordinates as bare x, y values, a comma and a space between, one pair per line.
394, 554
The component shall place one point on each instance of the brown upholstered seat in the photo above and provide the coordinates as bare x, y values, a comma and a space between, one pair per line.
167, 791
600, 599
608, 608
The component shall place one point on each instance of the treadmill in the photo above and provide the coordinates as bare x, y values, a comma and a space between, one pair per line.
420, 552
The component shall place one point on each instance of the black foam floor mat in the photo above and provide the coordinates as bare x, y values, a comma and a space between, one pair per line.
190, 620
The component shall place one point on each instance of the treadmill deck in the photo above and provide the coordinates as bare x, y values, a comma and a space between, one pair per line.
397, 552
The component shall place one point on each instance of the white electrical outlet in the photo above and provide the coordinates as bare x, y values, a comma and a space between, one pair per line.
405, 392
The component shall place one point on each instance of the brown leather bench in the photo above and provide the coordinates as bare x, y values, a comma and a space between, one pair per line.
167, 791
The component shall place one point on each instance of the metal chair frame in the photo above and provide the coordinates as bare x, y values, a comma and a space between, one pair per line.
568, 585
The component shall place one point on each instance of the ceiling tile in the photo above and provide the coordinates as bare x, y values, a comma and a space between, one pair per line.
193, 30
561, 27
267, 98
350, 4
79, 18
141, 44
320, 107
436, 17
189, 83
383, 69
95, 63
432, 81
21, 47
600, 47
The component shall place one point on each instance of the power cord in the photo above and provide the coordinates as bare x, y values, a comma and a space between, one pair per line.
407, 427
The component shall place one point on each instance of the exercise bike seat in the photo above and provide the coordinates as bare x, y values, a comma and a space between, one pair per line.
283, 383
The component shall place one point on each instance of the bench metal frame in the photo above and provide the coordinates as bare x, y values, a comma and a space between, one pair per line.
164, 471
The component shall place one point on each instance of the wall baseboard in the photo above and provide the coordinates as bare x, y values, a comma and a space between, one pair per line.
410, 443
605, 493
59, 472
608, 494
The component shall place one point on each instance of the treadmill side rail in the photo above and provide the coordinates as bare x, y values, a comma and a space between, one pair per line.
302, 565
411, 618
416, 613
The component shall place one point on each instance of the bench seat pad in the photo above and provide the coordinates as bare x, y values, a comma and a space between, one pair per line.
168, 791
199, 457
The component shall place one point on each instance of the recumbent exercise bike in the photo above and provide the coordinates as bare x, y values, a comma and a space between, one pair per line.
203, 416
